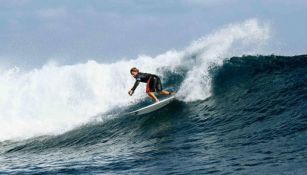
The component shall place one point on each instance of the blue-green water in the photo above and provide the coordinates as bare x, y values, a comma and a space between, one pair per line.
254, 122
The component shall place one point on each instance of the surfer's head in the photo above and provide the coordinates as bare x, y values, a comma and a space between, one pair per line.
134, 71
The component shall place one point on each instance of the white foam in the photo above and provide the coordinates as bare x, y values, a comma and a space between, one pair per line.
233, 40
56, 98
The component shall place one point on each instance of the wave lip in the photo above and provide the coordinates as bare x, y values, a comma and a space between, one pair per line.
233, 40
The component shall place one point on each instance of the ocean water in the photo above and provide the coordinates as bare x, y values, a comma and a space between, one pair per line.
239, 111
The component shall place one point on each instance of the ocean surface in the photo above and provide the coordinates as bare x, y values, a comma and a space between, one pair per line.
235, 113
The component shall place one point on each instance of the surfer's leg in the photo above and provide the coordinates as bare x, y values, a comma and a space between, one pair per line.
152, 84
165, 92
160, 89
152, 96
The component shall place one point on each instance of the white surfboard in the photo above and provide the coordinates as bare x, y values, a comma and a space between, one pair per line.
153, 107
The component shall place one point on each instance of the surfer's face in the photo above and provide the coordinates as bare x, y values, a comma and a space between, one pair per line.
134, 73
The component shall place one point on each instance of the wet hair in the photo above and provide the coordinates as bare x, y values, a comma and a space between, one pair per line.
134, 69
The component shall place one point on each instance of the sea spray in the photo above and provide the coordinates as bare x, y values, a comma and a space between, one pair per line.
245, 38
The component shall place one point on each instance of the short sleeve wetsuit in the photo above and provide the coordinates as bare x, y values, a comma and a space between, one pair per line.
153, 82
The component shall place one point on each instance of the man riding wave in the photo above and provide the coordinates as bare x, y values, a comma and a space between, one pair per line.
153, 84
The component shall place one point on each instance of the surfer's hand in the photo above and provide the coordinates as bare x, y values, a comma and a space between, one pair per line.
130, 92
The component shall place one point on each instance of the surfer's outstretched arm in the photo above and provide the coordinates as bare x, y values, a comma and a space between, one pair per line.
137, 82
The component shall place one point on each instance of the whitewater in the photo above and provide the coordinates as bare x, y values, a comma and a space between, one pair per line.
56, 98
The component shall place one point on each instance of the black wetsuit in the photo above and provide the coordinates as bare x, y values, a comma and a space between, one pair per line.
153, 82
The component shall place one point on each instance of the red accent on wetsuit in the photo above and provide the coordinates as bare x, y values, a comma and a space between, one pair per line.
147, 85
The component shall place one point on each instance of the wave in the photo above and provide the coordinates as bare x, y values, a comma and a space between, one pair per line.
240, 70
56, 98
261, 96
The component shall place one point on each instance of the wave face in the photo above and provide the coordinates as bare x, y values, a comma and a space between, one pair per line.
241, 114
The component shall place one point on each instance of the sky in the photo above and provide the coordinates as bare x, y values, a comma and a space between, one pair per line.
33, 32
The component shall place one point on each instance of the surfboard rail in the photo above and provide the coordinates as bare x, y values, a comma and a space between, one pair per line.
153, 107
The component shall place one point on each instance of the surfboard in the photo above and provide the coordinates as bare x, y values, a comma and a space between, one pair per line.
153, 107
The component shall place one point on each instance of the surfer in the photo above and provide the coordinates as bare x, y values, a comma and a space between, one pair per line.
153, 84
